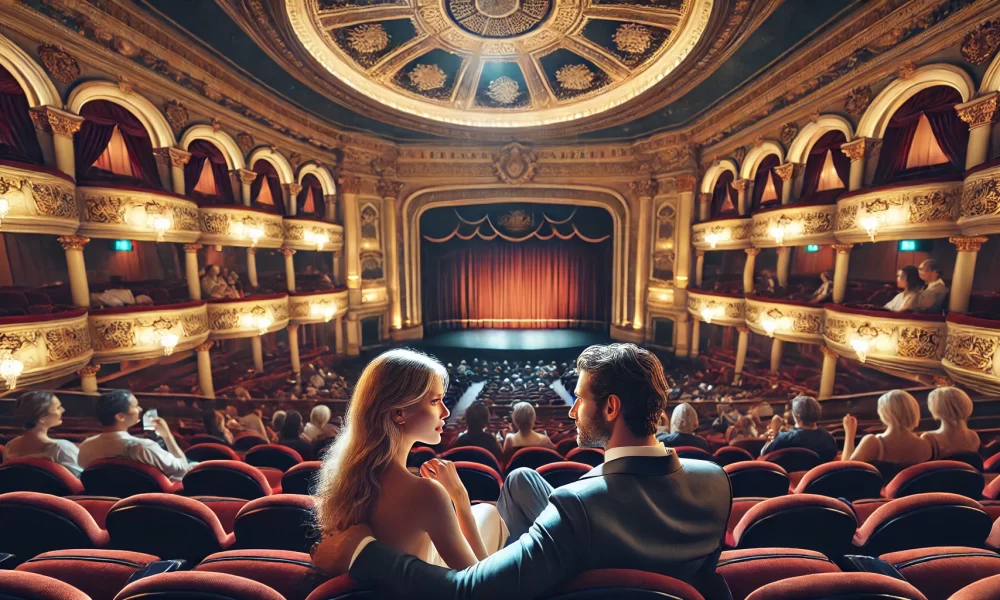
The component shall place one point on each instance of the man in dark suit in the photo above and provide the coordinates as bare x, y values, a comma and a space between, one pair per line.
644, 508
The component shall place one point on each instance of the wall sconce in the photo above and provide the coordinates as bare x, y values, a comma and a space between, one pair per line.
769, 325
255, 233
712, 239
323, 310
706, 315
861, 347
238, 230
320, 239
4, 209
778, 232
10, 370
870, 225
160, 224
260, 322
168, 341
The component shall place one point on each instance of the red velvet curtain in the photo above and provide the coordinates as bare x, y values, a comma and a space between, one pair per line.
832, 140
310, 182
266, 172
517, 285
765, 170
724, 190
95, 133
201, 151
17, 133
952, 134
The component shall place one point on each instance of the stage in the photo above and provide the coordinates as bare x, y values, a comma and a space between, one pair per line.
517, 339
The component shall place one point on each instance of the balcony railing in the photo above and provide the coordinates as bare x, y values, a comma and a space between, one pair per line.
922, 209
47, 346
143, 332
37, 200
716, 307
794, 225
980, 209
902, 341
247, 317
971, 353
722, 234
786, 320
313, 234
317, 307
240, 226
138, 214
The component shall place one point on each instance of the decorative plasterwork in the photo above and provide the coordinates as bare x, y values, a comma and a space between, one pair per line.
794, 226
918, 211
235, 225
785, 321
136, 334
979, 213
37, 201
717, 309
972, 355
50, 347
890, 342
302, 234
138, 214
311, 308
515, 164
239, 318
727, 234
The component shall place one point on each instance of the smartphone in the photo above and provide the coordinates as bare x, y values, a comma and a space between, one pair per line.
147, 419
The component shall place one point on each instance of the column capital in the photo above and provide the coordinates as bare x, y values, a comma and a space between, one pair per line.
293, 189
968, 243
783, 249
743, 329
741, 185
89, 370
828, 352
644, 188
752, 251
192, 247
174, 157
843, 248
389, 189
293, 327
788, 171
205, 347
978, 111
246, 175
349, 184
252, 250
685, 183
860, 148
73, 242
57, 122
287, 252
699, 253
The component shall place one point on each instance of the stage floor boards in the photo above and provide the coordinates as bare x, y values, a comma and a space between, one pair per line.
531, 340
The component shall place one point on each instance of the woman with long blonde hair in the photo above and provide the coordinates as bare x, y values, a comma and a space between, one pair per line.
399, 401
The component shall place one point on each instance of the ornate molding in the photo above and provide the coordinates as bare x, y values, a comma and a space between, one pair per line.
54, 121
515, 164
349, 184
317, 308
61, 64
73, 242
857, 100
137, 334
965, 243
389, 189
972, 355
980, 111
788, 322
111, 212
38, 201
724, 310
861, 148
794, 225
925, 210
303, 234
981, 43
685, 183
729, 234
788, 171
241, 318
979, 213
233, 225
644, 188
891, 342
51, 348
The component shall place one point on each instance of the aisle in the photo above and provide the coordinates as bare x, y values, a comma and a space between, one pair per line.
465, 400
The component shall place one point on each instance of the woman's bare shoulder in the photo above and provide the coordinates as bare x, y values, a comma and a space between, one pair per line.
416, 493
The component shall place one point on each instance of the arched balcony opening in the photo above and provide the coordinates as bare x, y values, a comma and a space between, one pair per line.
766, 184
827, 170
206, 175
310, 199
724, 197
113, 147
265, 191
18, 141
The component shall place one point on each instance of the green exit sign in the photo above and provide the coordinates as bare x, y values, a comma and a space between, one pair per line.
812, 248
907, 245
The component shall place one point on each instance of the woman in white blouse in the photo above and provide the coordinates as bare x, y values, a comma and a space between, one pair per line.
40, 412
908, 280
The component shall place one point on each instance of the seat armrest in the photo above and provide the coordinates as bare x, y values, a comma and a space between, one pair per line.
157, 567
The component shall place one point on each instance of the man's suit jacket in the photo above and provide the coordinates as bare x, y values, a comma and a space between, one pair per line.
660, 514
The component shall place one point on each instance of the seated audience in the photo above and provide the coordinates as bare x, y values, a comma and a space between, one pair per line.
743, 430
291, 436
899, 445
683, 424
277, 422
41, 411
117, 297
806, 412
319, 427
477, 417
215, 425
523, 418
214, 286
728, 415
908, 280
768, 282
952, 407
663, 425
117, 410
934, 297
825, 290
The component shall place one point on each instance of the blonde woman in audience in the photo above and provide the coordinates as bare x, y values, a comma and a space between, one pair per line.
399, 401
523, 418
40, 412
743, 430
898, 445
683, 425
952, 407
319, 426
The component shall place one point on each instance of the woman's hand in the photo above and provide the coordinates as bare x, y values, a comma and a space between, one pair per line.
850, 425
444, 472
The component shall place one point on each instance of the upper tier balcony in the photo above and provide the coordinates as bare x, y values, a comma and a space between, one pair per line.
235, 225
313, 234
140, 332
116, 211
37, 200
920, 209
787, 320
48, 346
980, 210
716, 307
794, 225
247, 317
901, 341
971, 353
308, 308
728, 233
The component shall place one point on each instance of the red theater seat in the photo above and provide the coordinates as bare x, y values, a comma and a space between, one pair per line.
34, 523
100, 574
987, 589
923, 521
793, 459
247, 440
940, 572
757, 479
693, 452
532, 458
482, 482
728, 455
204, 438
851, 480
840, 586
747, 570
122, 478
472, 454
753, 446
587, 456
302, 478
224, 508
624, 584
947, 476
278, 522
38, 475
274, 456
17, 585
343, 588
289, 573
226, 478
566, 446
197, 586
206, 452
563, 473
169, 526
799, 521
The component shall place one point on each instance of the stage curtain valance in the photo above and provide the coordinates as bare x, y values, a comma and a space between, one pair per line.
517, 223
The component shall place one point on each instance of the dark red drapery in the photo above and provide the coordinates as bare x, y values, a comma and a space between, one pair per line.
101, 117
832, 140
517, 285
722, 192
310, 182
202, 150
952, 134
17, 133
266, 172
765, 170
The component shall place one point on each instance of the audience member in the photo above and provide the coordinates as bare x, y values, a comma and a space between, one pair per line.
768, 282
477, 418
806, 412
908, 280
683, 424
117, 410
215, 425
277, 422
523, 418
290, 435
214, 286
899, 445
825, 290
319, 427
744, 429
663, 425
934, 297
952, 407
39, 412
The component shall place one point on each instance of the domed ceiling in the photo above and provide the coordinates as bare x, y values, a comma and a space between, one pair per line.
499, 63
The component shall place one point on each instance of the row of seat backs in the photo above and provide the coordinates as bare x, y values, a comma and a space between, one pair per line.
530, 457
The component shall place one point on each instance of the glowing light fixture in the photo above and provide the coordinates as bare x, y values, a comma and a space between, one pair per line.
4, 209
323, 310
707, 314
318, 238
255, 233
778, 233
168, 341
10, 370
870, 225
861, 347
770, 325
261, 322
160, 224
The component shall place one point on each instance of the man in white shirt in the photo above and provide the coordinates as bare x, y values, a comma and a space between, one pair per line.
118, 410
934, 297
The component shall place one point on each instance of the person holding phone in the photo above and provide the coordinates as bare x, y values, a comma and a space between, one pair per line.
117, 410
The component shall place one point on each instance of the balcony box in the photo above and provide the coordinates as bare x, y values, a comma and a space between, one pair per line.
115, 211
794, 225
972, 353
38, 200
728, 233
716, 307
247, 317
50, 346
308, 308
305, 234
920, 209
236, 225
903, 341
786, 320
979, 213
141, 332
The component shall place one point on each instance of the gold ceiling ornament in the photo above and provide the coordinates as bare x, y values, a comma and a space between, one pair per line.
245, 141
504, 90
515, 164
788, 132
499, 18
906, 69
177, 114
517, 221
575, 77
59, 63
368, 38
632, 38
427, 77
979, 45
857, 101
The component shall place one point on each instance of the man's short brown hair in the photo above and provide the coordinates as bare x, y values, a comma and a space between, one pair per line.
633, 374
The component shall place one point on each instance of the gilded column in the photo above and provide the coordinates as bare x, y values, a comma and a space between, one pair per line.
205, 369
699, 267
293, 347
695, 335
338, 335
330, 207
788, 173
174, 159
741, 352
291, 191
258, 353
859, 151
389, 190
979, 113
777, 350
73, 245
965, 270
704, 206
644, 191
840, 267
353, 335
288, 253
88, 378
784, 264
337, 279
55, 129
246, 177
742, 187
749, 268
252, 267
828, 376
191, 270
682, 252
351, 186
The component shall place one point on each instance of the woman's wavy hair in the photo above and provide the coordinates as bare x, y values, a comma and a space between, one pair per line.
349, 479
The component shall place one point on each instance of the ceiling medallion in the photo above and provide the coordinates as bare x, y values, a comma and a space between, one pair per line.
632, 38
427, 77
515, 164
368, 38
575, 77
498, 18
504, 90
